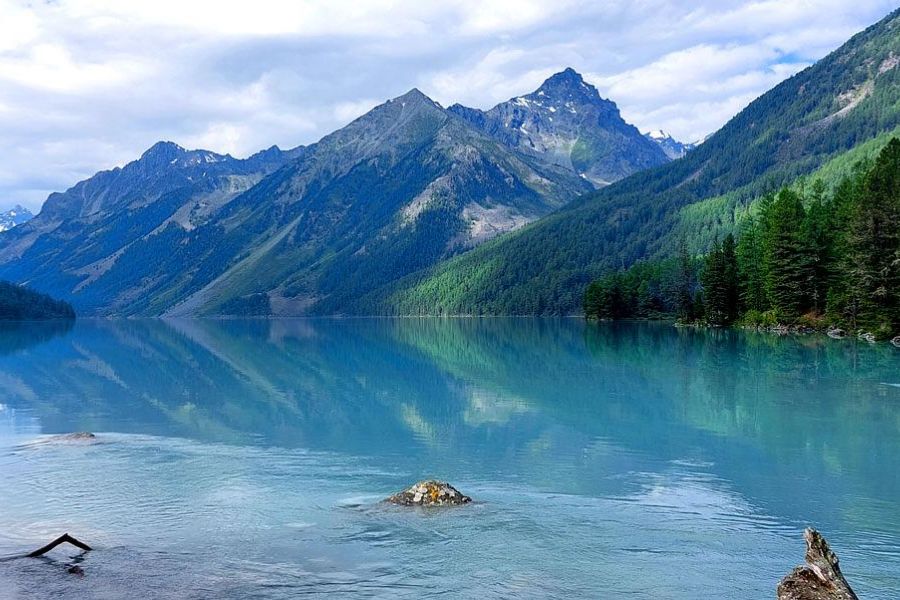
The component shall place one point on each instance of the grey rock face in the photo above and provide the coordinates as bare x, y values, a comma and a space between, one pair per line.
565, 122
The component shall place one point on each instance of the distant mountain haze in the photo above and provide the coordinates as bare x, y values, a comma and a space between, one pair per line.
13, 217
408, 184
672, 147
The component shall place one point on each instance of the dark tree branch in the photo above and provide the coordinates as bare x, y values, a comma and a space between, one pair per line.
60, 540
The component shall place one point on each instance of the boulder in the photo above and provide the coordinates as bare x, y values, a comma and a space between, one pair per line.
836, 333
429, 493
820, 578
866, 336
896, 341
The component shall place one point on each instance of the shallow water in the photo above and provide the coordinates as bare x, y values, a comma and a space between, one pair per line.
245, 459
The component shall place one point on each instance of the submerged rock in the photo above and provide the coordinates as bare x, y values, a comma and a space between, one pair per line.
820, 578
78, 436
429, 493
76, 570
866, 336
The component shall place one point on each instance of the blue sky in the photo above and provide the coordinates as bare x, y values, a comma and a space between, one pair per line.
89, 84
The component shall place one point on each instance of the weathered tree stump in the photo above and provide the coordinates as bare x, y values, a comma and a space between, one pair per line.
429, 493
820, 578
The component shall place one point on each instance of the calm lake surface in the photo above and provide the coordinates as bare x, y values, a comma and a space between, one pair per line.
246, 459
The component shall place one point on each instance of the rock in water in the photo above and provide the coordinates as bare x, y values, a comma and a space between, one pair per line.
78, 436
430, 493
820, 578
896, 341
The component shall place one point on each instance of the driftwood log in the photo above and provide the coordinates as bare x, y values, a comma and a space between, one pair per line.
64, 538
820, 578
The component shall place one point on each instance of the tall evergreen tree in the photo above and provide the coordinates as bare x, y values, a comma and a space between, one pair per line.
788, 273
874, 243
817, 238
715, 294
751, 266
684, 285
730, 273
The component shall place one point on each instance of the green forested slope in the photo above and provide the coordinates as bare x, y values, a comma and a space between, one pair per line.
849, 98
18, 303
808, 256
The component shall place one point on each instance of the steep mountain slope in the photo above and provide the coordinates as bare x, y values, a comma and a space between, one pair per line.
672, 147
181, 232
847, 98
13, 217
565, 122
398, 189
80, 234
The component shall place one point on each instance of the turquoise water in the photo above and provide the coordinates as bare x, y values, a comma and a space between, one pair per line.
246, 459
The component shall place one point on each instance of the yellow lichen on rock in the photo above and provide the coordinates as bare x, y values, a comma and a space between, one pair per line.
429, 493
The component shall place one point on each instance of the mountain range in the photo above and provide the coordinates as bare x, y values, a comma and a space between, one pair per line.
817, 123
403, 187
13, 217
417, 209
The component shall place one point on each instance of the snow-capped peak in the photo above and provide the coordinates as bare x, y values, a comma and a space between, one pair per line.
658, 134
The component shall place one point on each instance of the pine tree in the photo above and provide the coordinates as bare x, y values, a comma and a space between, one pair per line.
874, 243
788, 273
817, 239
684, 285
730, 267
715, 294
751, 266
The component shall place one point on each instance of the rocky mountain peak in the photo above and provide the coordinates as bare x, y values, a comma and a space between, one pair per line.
566, 122
568, 84
163, 150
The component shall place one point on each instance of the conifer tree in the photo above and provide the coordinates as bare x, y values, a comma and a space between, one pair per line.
714, 287
730, 268
874, 243
786, 255
684, 285
751, 266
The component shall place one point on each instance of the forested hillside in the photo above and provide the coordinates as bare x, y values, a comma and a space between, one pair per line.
19, 303
847, 99
806, 256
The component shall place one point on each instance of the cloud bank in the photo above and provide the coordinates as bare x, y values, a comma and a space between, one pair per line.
89, 84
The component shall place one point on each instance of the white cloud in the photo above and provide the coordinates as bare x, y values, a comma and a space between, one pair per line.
345, 112
90, 84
